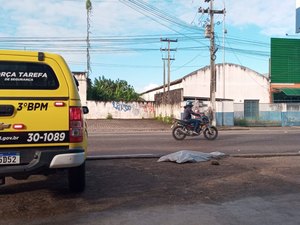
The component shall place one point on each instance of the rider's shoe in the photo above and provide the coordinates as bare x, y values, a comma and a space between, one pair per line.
195, 133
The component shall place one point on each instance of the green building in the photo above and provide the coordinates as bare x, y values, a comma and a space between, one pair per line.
285, 70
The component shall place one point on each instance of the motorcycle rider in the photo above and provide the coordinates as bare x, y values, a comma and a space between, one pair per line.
187, 116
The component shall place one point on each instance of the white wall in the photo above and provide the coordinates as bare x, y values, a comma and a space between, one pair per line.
176, 110
120, 110
197, 84
81, 77
164, 110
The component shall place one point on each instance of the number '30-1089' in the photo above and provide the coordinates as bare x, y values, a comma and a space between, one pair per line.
46, 137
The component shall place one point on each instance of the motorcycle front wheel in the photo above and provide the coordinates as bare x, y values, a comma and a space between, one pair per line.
178, 133
211, 133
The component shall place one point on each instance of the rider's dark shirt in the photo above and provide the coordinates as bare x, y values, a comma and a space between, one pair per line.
187, 113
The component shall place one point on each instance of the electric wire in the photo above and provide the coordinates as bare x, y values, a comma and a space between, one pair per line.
140, 43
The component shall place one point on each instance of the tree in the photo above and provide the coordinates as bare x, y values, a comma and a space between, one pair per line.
108, 90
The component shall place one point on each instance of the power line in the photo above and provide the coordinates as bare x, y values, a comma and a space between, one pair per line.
158, 15
124, 40
153, 12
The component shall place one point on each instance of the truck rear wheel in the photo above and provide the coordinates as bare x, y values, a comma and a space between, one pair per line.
76, 176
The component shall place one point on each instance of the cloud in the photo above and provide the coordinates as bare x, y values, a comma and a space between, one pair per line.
273, 17
55, 18
68, 18
116, 18
34, 18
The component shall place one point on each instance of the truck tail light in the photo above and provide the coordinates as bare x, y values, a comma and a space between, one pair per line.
19, 126
76, 124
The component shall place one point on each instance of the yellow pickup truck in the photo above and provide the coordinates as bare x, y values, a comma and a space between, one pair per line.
42, 127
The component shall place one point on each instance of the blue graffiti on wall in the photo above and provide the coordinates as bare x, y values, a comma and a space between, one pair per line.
121, 106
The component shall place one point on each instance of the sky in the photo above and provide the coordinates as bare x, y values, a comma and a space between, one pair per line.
125, 35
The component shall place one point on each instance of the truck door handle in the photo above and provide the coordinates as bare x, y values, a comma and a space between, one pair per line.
6, 110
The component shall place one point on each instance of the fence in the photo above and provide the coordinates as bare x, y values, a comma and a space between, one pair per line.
250, 113
281, 114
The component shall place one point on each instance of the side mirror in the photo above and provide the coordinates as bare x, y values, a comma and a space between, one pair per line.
85, 109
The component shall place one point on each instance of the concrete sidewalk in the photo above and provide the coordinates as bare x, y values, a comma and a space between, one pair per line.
144, 125
122, 125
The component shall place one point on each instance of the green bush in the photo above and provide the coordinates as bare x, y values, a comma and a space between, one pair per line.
159, 118
109, 116
165, 119
241, 122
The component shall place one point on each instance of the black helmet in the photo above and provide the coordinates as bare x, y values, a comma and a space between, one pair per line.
189, 103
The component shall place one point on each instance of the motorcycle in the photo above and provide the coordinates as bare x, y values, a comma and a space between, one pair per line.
182, 128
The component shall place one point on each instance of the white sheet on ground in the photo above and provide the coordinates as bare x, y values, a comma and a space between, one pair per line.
190, 156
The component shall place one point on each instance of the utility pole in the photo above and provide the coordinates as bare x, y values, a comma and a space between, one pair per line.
88, 6
224, 87
169, 49
211, 34
164, 76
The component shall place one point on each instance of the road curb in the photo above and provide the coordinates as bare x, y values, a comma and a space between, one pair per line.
124, 156
150, 156
264, 155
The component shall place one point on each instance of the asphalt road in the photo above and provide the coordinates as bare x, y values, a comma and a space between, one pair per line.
233, 141
246, 191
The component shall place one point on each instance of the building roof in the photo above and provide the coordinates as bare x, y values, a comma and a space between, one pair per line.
201, 69
291, 91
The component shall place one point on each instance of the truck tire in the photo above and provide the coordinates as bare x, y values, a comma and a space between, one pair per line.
76, 177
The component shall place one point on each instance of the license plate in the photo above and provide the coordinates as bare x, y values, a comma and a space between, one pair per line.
9, 158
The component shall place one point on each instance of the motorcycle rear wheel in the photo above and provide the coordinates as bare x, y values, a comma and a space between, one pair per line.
178, 133
211, 133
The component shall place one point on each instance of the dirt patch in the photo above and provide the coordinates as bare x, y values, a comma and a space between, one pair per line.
170, 183
136, 183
